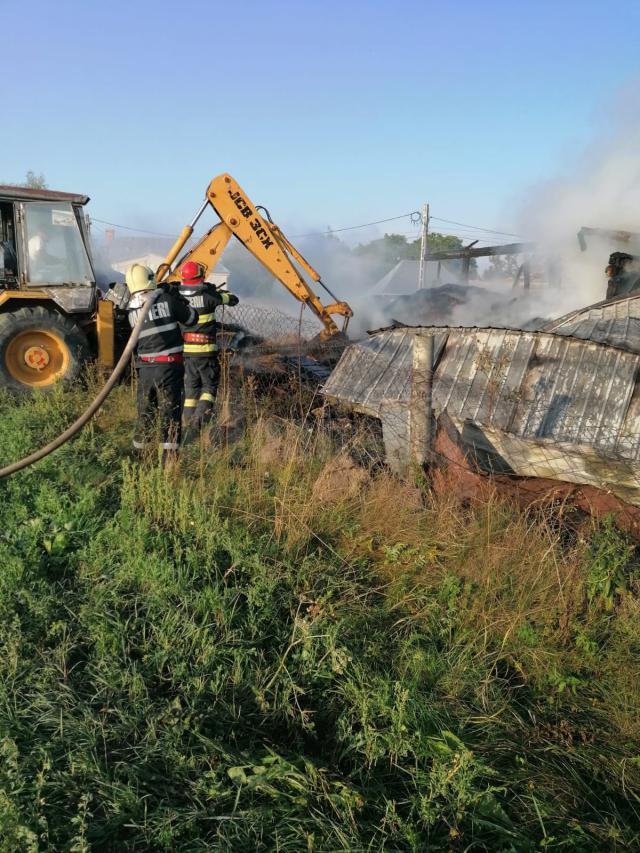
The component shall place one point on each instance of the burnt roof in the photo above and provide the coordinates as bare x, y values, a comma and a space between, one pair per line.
9, 191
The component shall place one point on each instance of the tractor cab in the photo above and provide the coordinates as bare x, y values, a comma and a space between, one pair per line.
44, 246
50, 318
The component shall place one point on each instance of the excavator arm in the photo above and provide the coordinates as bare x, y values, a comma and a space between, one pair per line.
240, 218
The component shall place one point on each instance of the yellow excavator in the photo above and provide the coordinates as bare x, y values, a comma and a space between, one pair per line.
52, 318
240, 218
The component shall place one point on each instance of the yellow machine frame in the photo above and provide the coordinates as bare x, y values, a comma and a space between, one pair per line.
266, 242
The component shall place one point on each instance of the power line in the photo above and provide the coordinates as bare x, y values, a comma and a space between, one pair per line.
364, 225
415, 215
418, 215
130, 228
477, 227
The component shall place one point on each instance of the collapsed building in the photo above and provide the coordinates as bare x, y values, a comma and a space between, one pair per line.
451, 299
553, 411
449, 296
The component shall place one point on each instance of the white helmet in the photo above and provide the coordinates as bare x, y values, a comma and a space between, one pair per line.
140, 278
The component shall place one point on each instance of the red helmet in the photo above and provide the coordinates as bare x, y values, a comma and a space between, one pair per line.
192, 273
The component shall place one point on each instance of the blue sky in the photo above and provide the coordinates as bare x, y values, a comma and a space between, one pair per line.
330, 113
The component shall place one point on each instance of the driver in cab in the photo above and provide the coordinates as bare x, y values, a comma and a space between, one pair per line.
41, 260
38, 244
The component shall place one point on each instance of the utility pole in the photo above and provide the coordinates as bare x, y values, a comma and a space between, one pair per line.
424, 246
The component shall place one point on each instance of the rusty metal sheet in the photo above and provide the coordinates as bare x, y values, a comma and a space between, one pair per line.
10, 191
554, 397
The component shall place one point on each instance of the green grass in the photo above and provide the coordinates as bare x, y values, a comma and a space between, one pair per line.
264, 651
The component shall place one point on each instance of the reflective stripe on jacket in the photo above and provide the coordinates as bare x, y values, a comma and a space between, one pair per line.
205, 298
161, 333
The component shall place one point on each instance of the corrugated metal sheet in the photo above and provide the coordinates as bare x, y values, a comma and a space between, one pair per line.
378, 369
561, 403
616, 323
531, 384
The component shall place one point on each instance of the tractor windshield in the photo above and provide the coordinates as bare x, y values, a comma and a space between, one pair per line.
55, 250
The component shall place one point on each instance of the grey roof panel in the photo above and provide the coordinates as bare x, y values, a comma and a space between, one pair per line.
616, 323
534, 385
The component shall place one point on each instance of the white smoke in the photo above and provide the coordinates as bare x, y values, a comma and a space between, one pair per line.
598, 188
601, 189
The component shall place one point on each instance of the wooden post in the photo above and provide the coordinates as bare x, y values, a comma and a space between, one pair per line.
428, 396
421, 404
466, 263
554, 272
517, 277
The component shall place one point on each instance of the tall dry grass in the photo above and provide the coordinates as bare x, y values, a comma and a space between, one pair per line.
272, 646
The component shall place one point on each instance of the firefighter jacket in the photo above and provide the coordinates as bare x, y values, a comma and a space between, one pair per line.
204, 298
161, 335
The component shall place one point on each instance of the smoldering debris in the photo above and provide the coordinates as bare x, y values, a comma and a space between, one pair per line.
468, 305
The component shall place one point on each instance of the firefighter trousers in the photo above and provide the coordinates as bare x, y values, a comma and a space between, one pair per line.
201, 380
159, 404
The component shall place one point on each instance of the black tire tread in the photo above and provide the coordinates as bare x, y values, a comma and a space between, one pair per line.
14, 321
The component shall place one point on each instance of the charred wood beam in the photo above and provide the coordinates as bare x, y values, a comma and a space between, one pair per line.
608, 233
466, 265
483, 252
517, 276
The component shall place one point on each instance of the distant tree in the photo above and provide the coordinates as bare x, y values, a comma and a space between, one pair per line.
35, 182
447, 243
502, 267
388, 250
437, 243
385, 252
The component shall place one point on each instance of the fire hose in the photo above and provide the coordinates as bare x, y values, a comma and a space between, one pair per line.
86, 416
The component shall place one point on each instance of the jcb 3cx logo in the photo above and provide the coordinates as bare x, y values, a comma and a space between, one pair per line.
246, 211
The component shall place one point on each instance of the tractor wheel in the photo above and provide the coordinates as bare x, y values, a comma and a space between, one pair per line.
38, 348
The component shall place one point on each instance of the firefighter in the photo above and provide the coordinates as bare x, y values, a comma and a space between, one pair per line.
202, 362
160, 359
623, 273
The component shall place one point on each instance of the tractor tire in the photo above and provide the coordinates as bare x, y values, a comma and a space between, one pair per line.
39, 348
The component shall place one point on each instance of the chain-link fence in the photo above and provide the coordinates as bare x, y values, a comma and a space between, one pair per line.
269, 325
